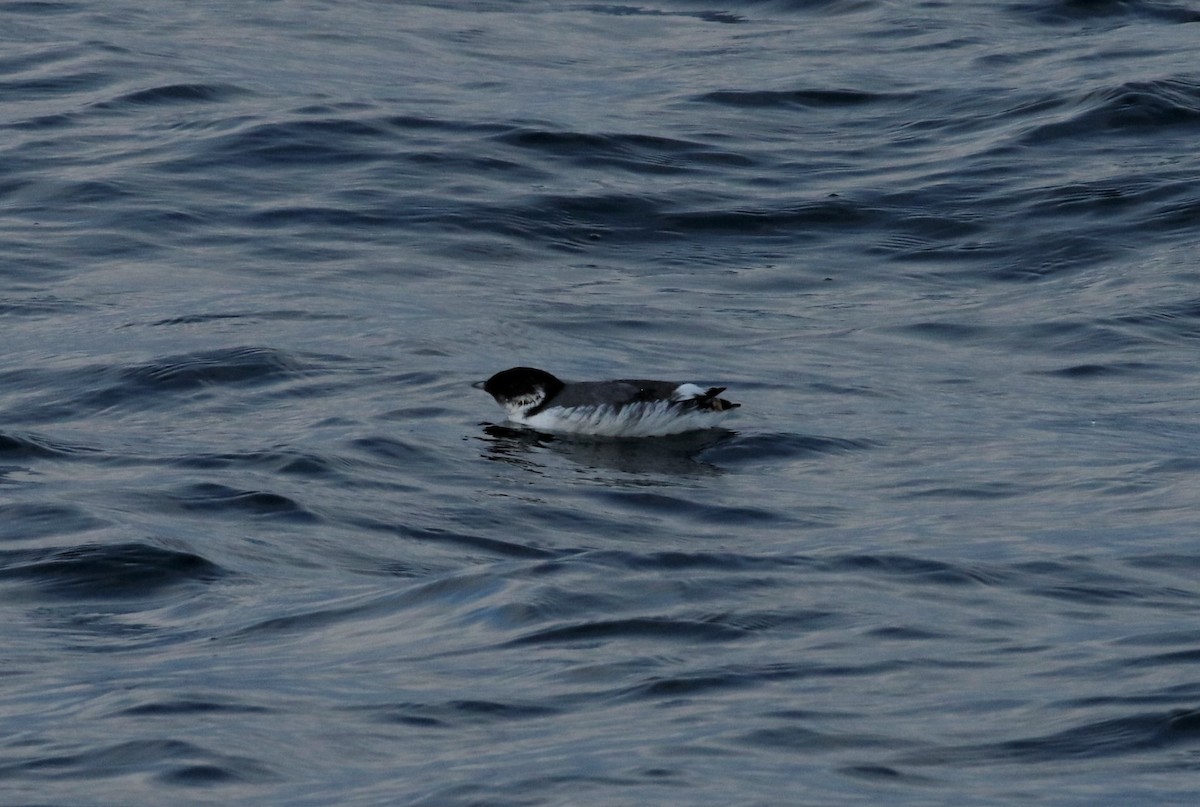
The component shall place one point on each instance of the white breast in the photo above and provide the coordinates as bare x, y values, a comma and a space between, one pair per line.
650, 419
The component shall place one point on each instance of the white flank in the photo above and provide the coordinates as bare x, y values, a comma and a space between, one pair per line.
685, 392
650, 419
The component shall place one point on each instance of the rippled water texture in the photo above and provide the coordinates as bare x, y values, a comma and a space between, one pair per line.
261, 543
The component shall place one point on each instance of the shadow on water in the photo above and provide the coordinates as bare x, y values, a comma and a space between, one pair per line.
676, 455
701, 453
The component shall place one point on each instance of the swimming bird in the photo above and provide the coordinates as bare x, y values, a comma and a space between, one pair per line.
620, 408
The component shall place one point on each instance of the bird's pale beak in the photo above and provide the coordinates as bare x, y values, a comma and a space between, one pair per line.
478, 384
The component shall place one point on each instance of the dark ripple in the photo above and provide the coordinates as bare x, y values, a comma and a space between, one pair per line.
564, 221
172, 706
210, 497
1057, 254
392, 449
1071, 12
794, 98
1112, 369
54, 86
1170, 561
151, 384
1055, 338
644, 154
31, 446
492, 546
283, 314
1092, 595
1183, 693
171, 761
41, 306
302, 623
1159, 660
1078, 581
458, 713
1108, 197
922, 488
805, 219
290, 217
882, 775
782, 446
1154, 731
660, 628
1174, 320
653, 502
242, 365
116, 571
101, 193
804, 740
440, 594
29, 520
1075, 580
753, 676
1129, 108
931, 571
175, 94
725, 562
40, 7
202, 775
620, 10
422, 123
326, 141
281, 461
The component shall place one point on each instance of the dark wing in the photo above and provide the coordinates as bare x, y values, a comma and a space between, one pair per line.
613, 393
634, 390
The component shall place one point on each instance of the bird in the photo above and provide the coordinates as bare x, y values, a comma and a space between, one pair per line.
618, 408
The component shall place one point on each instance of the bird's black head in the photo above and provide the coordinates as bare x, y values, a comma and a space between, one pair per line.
521, 383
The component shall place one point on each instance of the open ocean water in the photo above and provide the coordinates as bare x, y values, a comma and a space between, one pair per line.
261, 543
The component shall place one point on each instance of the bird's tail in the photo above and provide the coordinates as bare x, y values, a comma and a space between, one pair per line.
710, 401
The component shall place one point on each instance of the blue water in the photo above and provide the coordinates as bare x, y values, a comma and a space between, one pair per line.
261, 543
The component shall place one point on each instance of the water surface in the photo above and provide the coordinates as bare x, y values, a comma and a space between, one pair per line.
261, 542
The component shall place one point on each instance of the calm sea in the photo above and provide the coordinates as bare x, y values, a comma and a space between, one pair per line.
261, 543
